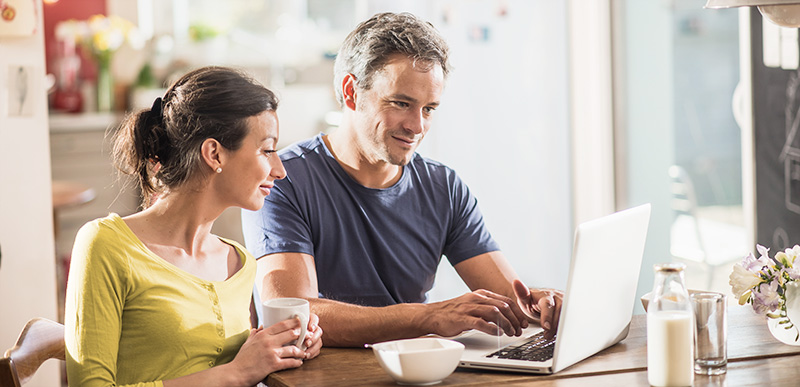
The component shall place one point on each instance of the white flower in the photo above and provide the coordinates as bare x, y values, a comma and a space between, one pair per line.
71, 30
742, 280
764, 251
791, 254
752, 264
793, 272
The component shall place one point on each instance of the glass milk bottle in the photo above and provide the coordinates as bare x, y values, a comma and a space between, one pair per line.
670, 329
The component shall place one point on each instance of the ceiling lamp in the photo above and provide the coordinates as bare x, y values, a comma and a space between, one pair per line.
785, 13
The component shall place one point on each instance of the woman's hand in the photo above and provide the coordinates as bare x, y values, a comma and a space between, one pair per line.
264, 352
313, 339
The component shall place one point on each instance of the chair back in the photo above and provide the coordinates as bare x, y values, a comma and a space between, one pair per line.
684, 199
686, 239
41, 339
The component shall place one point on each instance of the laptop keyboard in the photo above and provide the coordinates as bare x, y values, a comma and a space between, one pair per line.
537, 348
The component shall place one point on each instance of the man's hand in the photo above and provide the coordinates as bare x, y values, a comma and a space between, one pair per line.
482, 310
542, 306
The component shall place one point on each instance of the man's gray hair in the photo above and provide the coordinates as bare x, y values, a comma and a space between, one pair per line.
366, 49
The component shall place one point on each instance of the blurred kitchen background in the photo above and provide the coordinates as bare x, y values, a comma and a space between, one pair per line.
513, 114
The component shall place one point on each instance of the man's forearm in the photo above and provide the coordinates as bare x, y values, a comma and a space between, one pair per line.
348, 325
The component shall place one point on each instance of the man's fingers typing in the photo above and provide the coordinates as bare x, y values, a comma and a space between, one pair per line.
509, 309
547, 306
494, 315
548, 302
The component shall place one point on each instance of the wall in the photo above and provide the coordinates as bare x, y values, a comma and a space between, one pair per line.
776, 109
503, 125
648, 122
27, 270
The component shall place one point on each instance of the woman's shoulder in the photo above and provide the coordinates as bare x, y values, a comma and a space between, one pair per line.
248, 260
111, 226
101, 248
107, 234
243, 252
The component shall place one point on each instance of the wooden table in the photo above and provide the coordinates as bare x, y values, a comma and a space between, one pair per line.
67, 194
70, 193
755, 358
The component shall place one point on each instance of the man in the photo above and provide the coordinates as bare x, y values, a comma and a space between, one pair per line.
360, 223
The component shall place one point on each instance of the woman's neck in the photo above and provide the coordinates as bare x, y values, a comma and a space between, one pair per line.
179, 219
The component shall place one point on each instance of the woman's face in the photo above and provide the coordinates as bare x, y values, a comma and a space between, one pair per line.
249, 173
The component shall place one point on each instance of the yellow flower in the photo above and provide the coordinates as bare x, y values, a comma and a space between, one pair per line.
104, 35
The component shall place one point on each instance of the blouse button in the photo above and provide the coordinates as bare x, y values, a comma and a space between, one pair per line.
211, 364
219, 350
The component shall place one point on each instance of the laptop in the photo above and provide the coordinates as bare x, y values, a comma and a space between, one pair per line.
597, 307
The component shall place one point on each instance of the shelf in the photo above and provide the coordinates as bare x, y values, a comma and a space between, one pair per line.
82, 122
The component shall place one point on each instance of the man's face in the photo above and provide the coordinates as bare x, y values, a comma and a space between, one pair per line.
395, 114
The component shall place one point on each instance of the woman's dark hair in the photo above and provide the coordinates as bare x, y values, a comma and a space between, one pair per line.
210, 102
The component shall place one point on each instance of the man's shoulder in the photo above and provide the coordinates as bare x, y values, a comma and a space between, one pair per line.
311, 147
424, 166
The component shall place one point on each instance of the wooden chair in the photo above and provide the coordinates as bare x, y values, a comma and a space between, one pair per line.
41, 339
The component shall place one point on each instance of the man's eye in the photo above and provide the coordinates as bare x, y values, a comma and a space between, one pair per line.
429, 109
400, 104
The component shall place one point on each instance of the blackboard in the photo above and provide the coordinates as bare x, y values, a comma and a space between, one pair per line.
776, 121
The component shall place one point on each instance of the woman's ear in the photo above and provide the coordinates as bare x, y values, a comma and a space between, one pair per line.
212, 153
349, 91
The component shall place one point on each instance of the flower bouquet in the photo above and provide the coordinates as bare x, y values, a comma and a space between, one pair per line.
101, 36
770, 286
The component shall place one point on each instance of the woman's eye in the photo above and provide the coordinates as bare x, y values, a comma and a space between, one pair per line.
269, 152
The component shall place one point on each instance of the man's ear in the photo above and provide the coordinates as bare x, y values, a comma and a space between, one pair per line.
349, 91
211, 152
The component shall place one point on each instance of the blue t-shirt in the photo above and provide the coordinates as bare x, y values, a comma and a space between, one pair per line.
372, 247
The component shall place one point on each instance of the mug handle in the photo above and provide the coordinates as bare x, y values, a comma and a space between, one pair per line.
304, 328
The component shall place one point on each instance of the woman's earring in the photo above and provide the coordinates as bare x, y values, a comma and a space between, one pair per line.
219, 170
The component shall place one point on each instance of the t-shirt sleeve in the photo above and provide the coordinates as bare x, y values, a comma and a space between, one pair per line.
468, 235
94, 302
280, 226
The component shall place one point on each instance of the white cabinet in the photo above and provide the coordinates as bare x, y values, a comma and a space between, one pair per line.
80, 151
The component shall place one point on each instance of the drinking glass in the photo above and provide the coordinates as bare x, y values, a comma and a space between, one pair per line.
710, 354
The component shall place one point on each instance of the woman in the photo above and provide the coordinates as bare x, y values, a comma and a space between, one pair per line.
154, 298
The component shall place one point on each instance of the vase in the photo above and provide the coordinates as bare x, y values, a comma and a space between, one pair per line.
105, 83
67, 97
790, 336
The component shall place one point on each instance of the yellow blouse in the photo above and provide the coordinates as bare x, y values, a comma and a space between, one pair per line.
134, 319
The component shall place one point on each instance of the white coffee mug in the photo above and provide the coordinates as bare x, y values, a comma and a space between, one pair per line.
279, 309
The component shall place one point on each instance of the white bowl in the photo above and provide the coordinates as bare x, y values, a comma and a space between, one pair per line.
425, 360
